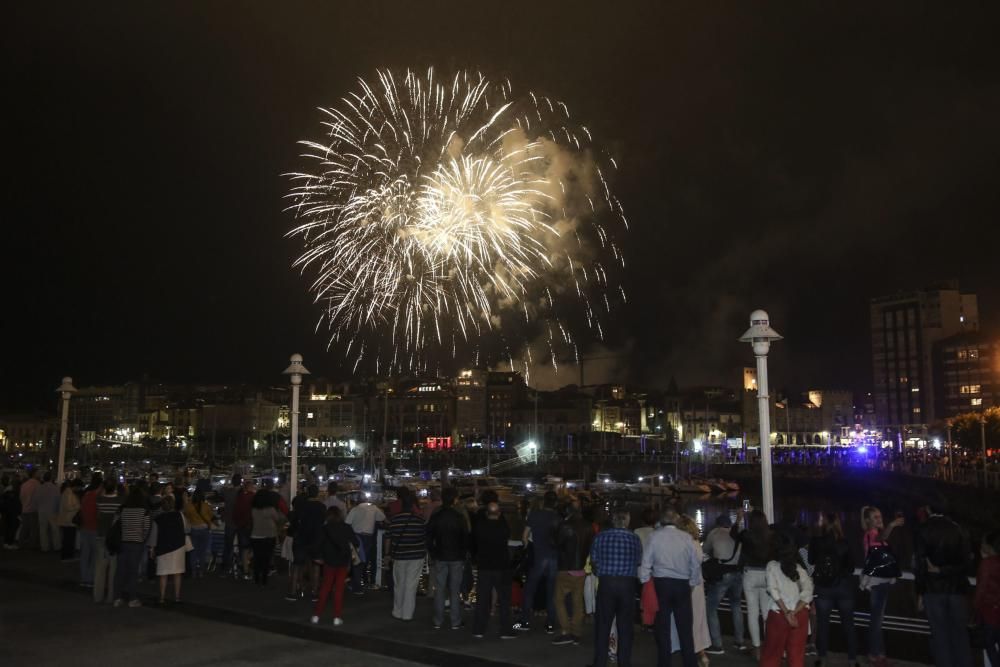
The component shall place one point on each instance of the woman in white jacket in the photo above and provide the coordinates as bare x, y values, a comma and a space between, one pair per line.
790, 592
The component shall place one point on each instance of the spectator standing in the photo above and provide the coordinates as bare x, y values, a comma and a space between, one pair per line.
229, 497
29, 510
47, 499
337, 547
755, 548
540, 529
943, 557
200, 517
135, 528
876, 535
243, 518
648, 525
448, 544
88, 530
699, 616
790, 590
987, 600
573, 539
720, 545
69, 505
490, 535
833, 585
10, 510
408, 548
109, 504
308, 517
167, 542
363, 519
615, 557
266, 522
675, 569
332, 500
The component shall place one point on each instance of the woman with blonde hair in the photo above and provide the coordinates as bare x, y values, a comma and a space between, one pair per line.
702, 638
876, 580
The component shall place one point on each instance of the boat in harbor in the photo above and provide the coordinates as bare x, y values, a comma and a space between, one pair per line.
652, 485
692, 486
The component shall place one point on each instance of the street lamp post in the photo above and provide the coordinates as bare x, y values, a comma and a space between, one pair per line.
66, 389
759, 335
295, 371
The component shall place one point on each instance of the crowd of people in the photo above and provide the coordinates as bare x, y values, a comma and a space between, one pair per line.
662, 576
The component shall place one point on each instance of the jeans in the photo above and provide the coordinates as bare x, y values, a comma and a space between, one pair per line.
487, 582
263, 552
570, 623
755, 590
782, 639
730, 586
333, 580
405, 580
227, 546
127, 576
200, 556
876, 640
105, 566
841, 598
48, 532
948, 616
674, 598
542, 567
68, 546
29, 530
362, 576
88, 554
448, 574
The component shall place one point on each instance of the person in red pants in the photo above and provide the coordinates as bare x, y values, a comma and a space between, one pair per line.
790, 591
336, 557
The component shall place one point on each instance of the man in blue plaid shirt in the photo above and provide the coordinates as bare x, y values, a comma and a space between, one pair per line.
615, 556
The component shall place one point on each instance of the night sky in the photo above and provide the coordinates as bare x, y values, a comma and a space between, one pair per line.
799, 159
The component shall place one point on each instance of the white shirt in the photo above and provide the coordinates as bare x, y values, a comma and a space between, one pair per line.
780, 587
362, 518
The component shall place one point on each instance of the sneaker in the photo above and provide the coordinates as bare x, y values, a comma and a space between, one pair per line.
478, 636
437, 626
810, 649
338, 622
576, 640
291, 598
134, 603
550, 629
508, 635
562, 640
715, 650
314, 620
119, 602
462, 625
742, 648
522, 627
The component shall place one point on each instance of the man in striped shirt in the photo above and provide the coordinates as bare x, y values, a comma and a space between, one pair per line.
408, 547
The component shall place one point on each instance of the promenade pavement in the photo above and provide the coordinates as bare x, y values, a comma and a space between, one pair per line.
245, 624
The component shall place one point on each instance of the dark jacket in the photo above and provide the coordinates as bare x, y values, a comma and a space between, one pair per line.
572, 544
308, 518
942, 557
755, 551
169, 532
489, 544
831, 560
335, 543
447, 535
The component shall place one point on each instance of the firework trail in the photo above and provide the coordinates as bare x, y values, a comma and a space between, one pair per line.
441, 218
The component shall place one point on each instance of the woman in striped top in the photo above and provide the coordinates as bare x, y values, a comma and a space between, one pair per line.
134, 520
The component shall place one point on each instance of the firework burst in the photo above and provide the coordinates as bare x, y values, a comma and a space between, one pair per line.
434, 212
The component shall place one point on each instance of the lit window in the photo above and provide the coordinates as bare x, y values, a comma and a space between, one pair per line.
973, 353
963, 355
964, 389
915, 389
916, 411
903, 379
310, 415
977, 401
975, 388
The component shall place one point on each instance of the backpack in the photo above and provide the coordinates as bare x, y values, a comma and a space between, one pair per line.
826, 573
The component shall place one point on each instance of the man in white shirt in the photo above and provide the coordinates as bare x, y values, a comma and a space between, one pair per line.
47, 501
675, 569
362, 519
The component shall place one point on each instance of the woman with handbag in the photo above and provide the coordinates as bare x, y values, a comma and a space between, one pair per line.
68, 519
338, 547
169, 544
879, 572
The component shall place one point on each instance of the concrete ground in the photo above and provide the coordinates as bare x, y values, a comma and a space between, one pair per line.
43, 614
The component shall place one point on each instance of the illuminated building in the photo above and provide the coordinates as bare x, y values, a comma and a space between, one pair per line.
966, 374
